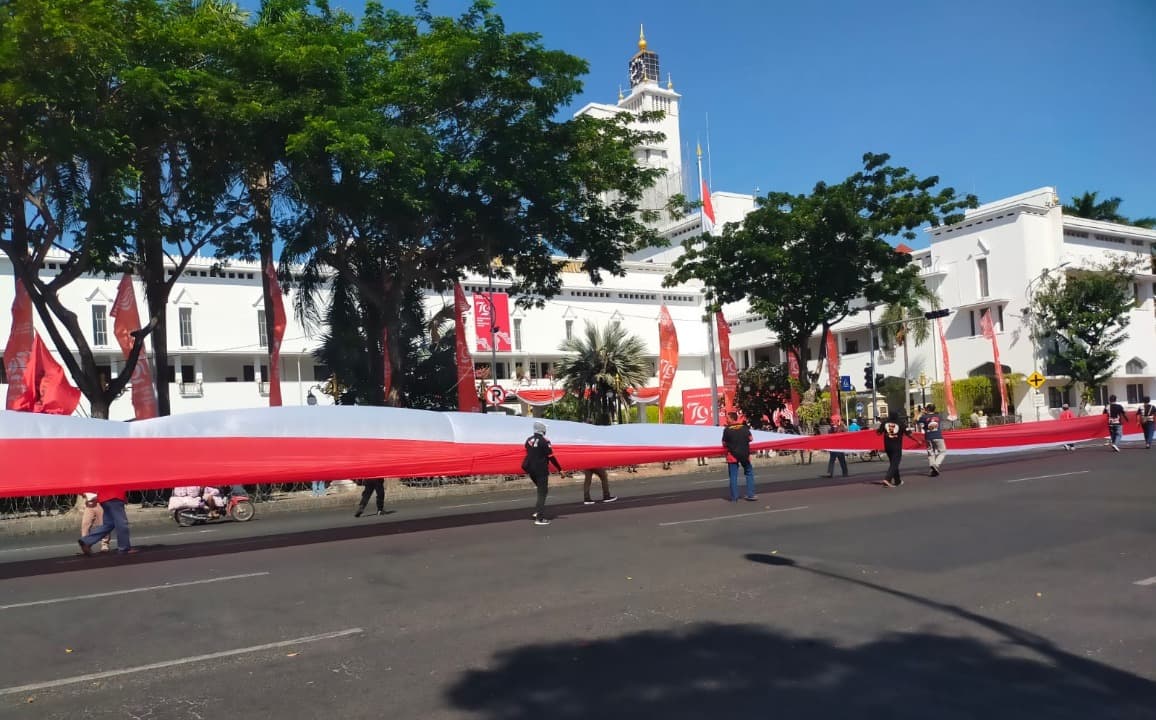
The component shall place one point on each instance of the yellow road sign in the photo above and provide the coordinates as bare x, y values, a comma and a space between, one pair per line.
1036, 380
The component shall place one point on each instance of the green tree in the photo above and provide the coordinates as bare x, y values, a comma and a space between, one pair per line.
601, 367
763, 388
902, 321
1081, 319
803, 261
1087, 206
65, 163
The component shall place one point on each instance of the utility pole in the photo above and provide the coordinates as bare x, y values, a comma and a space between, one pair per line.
709, 316
874, 375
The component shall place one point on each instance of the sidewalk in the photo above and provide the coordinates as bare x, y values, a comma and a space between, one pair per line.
345, 494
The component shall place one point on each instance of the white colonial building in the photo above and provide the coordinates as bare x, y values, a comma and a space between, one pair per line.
218, 360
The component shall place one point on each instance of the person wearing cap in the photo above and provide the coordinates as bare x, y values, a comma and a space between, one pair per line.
932, 434
536, 464
1067, 414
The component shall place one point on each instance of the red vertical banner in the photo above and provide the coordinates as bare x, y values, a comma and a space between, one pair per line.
19, 346
467, 392
492, 322
989, 333
696, 407
667, 358
730, 370
278, 335
793, 372
46, 389
126, 321
833, 376
948, 390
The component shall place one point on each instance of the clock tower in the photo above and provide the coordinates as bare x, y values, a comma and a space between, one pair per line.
644, 65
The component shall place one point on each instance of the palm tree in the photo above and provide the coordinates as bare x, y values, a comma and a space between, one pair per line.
600, 367
903, 320
1085, 206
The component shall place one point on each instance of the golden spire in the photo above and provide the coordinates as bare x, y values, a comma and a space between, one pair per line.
698, 149
669, 82
641, 38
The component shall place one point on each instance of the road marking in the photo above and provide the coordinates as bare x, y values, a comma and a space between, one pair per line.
731, 517
135, 537
167, 586
488, 502
709, 482
174, 663
1146, 581
1043, 477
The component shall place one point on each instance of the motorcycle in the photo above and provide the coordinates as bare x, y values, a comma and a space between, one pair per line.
193, 509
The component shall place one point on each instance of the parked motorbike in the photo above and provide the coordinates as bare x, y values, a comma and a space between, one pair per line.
236, 506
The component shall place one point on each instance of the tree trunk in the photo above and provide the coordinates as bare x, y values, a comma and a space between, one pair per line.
260, 192
390, 320
150, 245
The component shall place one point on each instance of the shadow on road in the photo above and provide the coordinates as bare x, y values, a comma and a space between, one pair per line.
743, 671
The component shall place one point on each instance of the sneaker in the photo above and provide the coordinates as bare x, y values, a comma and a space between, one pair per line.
534, 516
541, 521
1116, 449
84, 548
826, 475
587, 501
127, 551
751, 499
612, 498
358, 513
380, 512
934, 473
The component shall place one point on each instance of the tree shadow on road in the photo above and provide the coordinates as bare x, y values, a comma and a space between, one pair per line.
744, 671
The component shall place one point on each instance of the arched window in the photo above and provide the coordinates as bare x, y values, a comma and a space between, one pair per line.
1135, 366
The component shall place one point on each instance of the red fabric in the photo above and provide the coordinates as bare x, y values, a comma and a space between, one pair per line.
833, 376
1067, 415
468, 400
989, 333
696, 407
730, 370
278, 334
793, 370
492, 318
46, 388
667, 358
948, 390
644, 395
19, 346
126, 320
707, 208
539, 397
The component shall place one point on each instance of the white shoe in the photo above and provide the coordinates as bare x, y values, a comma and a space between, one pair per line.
541, 521
1115, 448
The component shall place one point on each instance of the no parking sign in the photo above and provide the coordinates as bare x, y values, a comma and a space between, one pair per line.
495, 395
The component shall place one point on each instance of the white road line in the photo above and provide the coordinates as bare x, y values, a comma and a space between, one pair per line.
488, 502
731, 517
166, 586
1043, 477
135, 538
1146, 581
181, 661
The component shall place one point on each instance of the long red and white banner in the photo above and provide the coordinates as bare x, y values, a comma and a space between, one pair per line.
46, 454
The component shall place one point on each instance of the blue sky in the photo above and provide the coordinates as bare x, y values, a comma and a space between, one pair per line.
994, 97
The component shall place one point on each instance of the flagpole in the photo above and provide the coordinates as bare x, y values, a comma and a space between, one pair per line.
709, 315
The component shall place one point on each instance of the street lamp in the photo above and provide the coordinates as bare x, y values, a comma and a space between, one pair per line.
1030, 314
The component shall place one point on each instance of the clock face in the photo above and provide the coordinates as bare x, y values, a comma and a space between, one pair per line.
637, 70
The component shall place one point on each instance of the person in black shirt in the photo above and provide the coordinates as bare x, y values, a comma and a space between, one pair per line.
536, 464
736, 439
1116, 416
374, 485
893, 429
1146, 416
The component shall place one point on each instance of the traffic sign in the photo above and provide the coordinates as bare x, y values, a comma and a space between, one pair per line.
858, 407
845, 383
495, 395
1036, 380
1038, 398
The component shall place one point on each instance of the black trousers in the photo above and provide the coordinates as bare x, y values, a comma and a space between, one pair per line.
894, 457
832, 458
372, 486
542, 482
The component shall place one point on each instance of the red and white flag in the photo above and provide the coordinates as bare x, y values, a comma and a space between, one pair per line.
833, 376
730, 370
46, 389
19, 346
989, 333
707, 209
278, 334
667, 358
468, 400
126, 321
948, 390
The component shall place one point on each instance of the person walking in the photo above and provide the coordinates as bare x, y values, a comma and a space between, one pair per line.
736, 439
1116, 417
374, 485
92, 516
112, 505
1146, 416
893, 430
318, 488
601, 473
932, 434
1067, 414
834, 456
536, 464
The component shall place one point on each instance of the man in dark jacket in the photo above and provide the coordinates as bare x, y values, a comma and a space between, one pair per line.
893, 430
737, 441
539, 457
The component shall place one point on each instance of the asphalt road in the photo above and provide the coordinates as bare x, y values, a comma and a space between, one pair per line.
1009, 587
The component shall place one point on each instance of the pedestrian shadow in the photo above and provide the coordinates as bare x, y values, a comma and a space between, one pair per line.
721, 671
